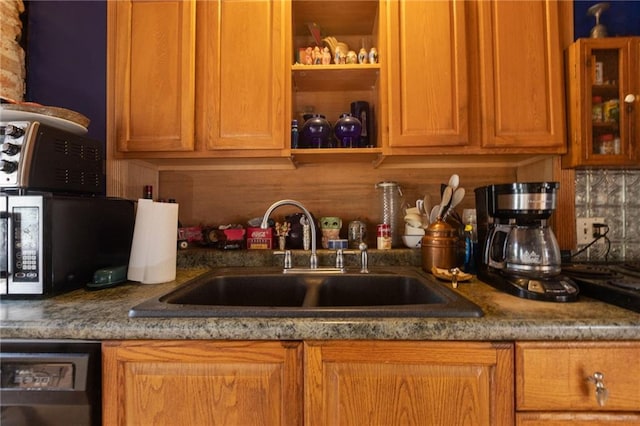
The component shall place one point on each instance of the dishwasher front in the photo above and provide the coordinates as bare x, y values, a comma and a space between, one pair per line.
50, 383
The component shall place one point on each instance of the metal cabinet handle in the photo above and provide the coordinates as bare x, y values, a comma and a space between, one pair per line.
601, 392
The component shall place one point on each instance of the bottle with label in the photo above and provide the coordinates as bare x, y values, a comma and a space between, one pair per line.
470, 241
384, 236
294, 134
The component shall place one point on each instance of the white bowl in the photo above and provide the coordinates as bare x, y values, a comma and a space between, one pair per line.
412, 241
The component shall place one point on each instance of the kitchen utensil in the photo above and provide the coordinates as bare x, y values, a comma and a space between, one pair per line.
427, 204
433, 216
446, 197
454, 181
456, 198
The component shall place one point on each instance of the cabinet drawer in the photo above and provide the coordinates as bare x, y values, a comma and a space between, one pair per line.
555, 375
582, 419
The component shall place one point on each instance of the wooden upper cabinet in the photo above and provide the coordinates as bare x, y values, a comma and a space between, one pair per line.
428, 84
152, 49
242, 76
603, 86
521, 76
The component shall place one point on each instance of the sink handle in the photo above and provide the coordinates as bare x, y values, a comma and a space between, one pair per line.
288, 262
364, 258
339, 258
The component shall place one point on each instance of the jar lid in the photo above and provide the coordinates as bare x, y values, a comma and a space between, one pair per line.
386, 184
606, 137
597, 99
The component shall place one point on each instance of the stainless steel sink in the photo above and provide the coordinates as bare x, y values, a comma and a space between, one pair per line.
235, 292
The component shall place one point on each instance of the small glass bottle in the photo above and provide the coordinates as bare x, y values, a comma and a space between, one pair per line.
147, 193
294, 134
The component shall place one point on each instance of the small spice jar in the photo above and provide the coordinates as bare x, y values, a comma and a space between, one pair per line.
384, 236
597, 109
606, 144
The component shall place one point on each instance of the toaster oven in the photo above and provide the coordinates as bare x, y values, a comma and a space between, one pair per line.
38, 157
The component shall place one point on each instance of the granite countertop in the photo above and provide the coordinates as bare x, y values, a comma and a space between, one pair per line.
103, 315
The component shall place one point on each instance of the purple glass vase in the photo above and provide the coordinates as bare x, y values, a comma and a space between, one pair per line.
316, 132
347, 130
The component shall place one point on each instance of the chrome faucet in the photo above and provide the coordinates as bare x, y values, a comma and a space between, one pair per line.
313, 262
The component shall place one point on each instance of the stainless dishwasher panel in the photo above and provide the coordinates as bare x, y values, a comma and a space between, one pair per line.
50, 383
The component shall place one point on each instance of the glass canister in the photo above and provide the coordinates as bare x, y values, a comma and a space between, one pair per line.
390, 204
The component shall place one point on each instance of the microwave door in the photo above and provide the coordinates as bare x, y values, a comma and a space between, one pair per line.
4, 246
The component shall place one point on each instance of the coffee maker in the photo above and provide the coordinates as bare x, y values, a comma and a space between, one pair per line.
518, 252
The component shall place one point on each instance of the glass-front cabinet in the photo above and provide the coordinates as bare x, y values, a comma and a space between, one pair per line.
603, 78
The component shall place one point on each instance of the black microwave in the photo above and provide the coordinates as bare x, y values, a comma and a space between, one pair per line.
51, 243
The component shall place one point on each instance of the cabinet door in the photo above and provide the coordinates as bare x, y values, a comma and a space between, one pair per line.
428, 98
152, 44
202, 383
604, 102
409, 383
241, 75
521, 78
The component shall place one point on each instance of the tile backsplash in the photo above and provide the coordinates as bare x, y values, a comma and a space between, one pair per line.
615, 196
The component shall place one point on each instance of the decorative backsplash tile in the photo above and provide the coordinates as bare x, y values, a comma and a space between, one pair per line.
615, 196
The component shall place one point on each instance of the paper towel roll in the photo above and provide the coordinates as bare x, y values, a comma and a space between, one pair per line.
154, 245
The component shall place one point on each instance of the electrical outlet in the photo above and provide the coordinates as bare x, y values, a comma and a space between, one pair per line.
585, 230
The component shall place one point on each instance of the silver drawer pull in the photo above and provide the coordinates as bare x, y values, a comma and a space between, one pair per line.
601, 392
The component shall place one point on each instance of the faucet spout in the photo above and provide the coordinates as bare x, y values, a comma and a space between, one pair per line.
313, 263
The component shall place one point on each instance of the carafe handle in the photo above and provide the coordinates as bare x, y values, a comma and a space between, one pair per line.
498, 260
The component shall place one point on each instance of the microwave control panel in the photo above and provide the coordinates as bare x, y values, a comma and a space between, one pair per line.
21, 268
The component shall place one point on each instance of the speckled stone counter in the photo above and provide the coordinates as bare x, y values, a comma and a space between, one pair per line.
103, 314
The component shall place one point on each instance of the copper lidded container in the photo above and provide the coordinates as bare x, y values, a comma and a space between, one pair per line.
440, 246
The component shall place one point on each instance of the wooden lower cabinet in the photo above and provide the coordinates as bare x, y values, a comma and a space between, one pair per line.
555, 383
408, 383
312, 383
202, 383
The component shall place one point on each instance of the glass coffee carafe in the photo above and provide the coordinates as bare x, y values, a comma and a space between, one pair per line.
530, 250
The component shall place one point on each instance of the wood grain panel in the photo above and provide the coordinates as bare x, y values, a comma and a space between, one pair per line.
198, 383
553, 376
572, 419
153, 75
343, 189
375, 383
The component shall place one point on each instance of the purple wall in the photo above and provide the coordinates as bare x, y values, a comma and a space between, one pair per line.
621, 19
66, 58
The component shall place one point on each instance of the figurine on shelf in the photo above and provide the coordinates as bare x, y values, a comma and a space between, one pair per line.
308, 56
282, 230
352, 58
326, 56
363, 56
373, 56
337, 59
317, 56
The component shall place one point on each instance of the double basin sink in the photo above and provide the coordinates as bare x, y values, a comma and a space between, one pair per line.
268, 292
